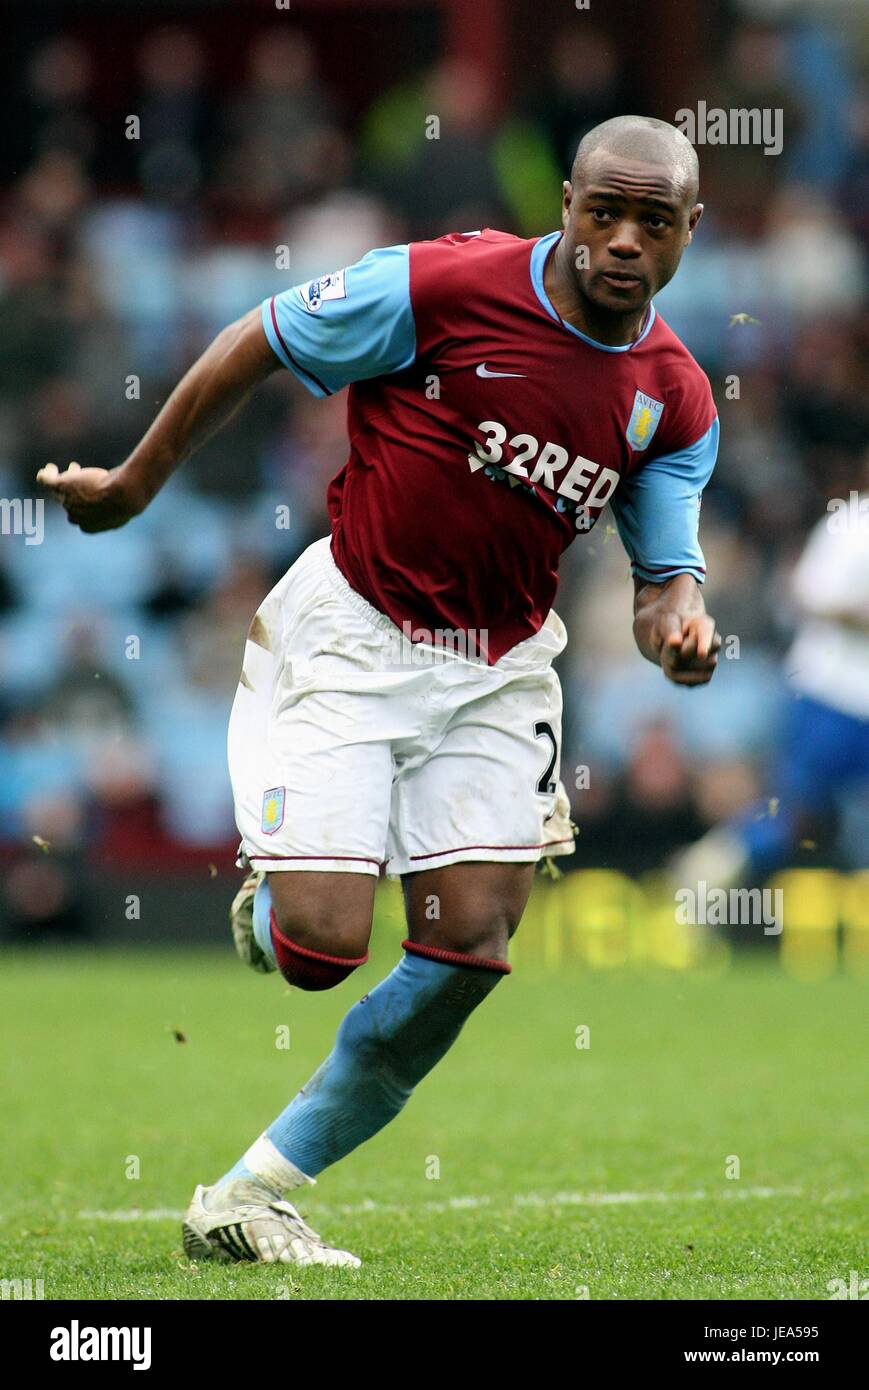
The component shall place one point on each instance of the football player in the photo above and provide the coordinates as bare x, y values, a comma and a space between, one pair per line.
397, 707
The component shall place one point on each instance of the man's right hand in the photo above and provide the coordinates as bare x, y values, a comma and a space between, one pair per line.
95, 499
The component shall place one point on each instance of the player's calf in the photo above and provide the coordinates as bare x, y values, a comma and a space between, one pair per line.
392, 1037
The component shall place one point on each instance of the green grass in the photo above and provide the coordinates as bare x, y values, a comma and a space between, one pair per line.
684, 1069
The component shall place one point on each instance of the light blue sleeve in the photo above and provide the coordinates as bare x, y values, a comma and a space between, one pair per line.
347, 326
657, 512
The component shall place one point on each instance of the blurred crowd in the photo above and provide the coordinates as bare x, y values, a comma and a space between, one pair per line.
125, 244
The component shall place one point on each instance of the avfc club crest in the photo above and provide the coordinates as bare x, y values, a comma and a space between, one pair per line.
644, 420
273, 809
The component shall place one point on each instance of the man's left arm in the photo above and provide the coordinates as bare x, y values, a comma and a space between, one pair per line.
657, 512
673, 629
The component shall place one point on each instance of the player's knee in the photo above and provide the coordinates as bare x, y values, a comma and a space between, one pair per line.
483, 931
310, 968
315, 950
320, 925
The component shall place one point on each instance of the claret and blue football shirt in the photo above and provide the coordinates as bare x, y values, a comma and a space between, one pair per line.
486, 433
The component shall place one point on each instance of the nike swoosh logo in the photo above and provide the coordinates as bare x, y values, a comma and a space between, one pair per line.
483, 370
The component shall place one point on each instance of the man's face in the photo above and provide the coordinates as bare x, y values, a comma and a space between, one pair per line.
635, 220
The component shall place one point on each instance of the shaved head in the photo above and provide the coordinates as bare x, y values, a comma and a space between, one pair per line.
647, 141
628, 211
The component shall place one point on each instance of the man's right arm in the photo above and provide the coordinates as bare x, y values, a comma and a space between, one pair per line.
352, 325
100, 499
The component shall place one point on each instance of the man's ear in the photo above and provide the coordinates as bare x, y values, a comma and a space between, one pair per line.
693, 218
566, 196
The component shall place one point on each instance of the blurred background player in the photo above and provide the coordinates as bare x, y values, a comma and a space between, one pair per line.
823, 754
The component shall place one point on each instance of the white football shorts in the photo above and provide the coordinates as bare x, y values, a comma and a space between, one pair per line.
352, 748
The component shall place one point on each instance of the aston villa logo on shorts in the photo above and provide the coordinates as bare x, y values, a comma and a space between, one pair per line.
273, 809
644, 420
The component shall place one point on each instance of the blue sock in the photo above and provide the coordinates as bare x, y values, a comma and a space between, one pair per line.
262, 931
386, 1044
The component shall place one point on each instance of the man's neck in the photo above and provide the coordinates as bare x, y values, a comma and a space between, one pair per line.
610, 329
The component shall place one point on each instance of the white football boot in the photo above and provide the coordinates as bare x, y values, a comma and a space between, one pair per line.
241, 920
245, 1219
249, 1218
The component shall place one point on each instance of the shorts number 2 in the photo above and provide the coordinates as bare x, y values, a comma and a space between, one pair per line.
543, 729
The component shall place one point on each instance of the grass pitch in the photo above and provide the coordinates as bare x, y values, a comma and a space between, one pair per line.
524, 1166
